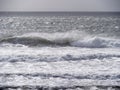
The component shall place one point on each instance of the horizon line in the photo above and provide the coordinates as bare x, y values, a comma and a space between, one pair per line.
67, 11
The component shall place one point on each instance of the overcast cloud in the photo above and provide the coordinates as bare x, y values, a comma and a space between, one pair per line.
59, 5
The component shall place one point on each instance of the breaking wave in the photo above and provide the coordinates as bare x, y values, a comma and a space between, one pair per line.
76, 39
97, 42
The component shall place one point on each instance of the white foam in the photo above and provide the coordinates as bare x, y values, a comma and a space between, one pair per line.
97, 42
55, 72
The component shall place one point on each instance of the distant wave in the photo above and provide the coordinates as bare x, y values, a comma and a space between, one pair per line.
76, 39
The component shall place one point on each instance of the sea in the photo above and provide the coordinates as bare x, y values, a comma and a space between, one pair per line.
59, 51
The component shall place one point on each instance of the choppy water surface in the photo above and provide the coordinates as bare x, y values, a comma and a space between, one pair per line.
60, 52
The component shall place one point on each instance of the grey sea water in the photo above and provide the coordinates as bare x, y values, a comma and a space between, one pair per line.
68, 51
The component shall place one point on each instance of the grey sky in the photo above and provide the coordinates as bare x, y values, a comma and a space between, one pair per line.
59, 5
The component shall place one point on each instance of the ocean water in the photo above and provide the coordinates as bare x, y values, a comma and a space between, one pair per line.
60, 52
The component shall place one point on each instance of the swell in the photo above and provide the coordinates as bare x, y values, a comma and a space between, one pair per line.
30, 41
38, 39
75, 39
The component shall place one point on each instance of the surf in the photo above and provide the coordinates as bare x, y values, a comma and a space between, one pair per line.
72, 38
